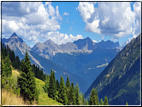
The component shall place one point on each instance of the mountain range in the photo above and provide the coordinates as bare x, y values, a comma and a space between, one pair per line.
120, 80
83, 60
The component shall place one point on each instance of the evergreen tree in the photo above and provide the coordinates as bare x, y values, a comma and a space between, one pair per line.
68, 87
86, 103
127, 103
77, 94
106, 101
72, 95
94, 100
92, 97
96, 97
52, 86
46, 86
62, 97
101, 102
57, 85
68, 82
3, 74
26, 81
83, 100
7, 71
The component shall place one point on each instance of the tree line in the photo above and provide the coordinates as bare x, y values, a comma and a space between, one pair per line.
68, 94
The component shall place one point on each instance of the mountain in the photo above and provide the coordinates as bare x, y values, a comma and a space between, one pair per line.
83, 60
20, 47
85, 43
120, 80
48, 49
87, 65
82, 57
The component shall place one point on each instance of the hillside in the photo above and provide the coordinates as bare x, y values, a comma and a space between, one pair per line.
43, 97
120, 80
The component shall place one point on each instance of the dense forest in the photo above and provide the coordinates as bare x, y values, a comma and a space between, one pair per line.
64, 92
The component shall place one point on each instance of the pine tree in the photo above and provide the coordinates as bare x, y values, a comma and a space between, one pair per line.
62, 97
83, 100
86, 103
7, 71
77, 94
26, 81
68, 82
94, 100
127, 103
57, 85
106, 101
52, 86
101, 102
68, 87
92, 97
72, 95
3, 74
96, 97
46, 86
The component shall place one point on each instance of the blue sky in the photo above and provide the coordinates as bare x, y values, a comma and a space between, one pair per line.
69, 21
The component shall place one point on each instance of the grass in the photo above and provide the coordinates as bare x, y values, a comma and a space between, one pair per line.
43, 97
12, 99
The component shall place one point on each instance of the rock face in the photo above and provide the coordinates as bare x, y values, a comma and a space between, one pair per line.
120, 80
48, 49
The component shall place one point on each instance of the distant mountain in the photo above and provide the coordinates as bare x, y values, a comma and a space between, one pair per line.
120, 80
82, 57
48, 49
20, 47
86, 43
83, 60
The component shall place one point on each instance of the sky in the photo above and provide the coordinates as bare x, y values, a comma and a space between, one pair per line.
64, 22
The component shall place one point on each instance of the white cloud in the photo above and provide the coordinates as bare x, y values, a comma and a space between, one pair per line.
66, 14
29, 19
61, 38
115, 19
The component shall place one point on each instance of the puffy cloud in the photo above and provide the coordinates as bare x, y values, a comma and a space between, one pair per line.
115, 19
29, 19
61, 38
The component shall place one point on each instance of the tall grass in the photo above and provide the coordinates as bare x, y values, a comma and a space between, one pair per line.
11, 99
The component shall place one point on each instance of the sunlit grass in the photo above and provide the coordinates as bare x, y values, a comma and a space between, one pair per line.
11, 99
42, 100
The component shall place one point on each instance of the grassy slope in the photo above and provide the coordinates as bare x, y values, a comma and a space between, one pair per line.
43, 97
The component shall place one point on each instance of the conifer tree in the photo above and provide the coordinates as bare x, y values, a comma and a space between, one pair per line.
72, 95
7, 71
86, 103
96, 97
68, 82
57, 85
62, 97
26, 81
106, 101
92, 97
101, 102
77, 94
94, 100
46, 86
68, 88
52, 86
83, 100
